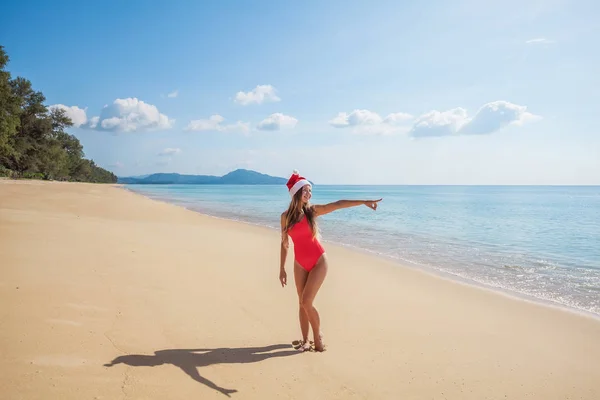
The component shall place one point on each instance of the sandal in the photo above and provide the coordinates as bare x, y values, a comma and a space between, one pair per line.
301, 345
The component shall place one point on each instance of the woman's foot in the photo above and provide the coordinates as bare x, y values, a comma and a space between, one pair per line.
319, 345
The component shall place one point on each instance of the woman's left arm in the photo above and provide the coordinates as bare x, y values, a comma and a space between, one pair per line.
322, 209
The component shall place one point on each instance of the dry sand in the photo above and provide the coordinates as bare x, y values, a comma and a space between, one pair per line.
190, 307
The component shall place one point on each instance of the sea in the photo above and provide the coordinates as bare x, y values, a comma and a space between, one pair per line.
540, 243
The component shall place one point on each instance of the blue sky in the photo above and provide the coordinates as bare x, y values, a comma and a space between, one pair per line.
387, 92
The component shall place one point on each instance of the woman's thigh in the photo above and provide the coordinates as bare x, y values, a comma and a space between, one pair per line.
315, 280
300, 277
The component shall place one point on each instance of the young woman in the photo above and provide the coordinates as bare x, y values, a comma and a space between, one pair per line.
310, 261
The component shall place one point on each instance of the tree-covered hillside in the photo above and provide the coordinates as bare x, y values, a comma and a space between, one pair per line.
33, 141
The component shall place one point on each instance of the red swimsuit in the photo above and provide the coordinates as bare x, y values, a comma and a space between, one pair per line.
307, 250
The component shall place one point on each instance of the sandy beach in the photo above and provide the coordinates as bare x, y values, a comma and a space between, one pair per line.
105, 294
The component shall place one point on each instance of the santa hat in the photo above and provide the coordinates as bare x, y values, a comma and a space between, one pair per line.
296, 182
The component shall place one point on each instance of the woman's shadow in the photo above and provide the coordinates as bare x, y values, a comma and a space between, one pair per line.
190, 359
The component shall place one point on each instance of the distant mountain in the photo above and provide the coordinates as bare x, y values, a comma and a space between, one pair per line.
161, 178
140, 176
237, 177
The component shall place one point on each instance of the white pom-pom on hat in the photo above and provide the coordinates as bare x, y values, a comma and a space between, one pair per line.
295, 172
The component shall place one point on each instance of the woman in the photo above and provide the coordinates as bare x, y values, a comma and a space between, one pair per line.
310, 261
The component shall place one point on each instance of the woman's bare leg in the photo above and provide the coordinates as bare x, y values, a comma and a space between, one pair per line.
315, 279
300, 277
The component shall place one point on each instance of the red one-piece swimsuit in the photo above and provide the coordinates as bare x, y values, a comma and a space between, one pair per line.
307, 250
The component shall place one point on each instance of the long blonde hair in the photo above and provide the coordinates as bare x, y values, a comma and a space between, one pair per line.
295, 210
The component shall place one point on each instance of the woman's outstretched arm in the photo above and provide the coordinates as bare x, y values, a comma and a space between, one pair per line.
322, 209
283, 252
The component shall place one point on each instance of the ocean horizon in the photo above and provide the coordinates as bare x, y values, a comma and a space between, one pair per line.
538, 242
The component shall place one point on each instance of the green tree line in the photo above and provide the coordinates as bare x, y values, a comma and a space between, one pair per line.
33, 141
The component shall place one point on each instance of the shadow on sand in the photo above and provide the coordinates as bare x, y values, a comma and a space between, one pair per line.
190, 359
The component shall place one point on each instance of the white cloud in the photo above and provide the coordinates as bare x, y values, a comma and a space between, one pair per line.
355, 118
369, 122
93, 122
117, 164
436, 123
277, 121
259, 95
77, 115
214, 123
130, 115
490, 118
397, 118
173, 94
495, 116
539, 41
169, 151
339, 121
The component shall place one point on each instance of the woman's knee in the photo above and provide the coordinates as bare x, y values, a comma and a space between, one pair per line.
306, 303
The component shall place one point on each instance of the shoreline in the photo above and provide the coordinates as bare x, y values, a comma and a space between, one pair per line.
127, 295
414, 266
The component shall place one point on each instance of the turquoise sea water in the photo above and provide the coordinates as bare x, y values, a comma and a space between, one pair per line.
538, 241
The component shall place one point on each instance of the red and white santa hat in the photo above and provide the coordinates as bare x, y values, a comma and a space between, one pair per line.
296, 182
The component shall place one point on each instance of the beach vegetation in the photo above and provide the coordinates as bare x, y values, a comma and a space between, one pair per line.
34, 143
